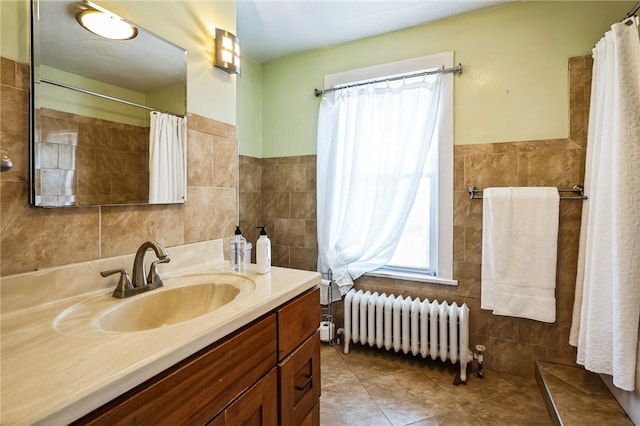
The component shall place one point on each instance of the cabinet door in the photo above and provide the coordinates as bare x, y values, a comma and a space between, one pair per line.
297, 320
300, 382
256, 407
313, 418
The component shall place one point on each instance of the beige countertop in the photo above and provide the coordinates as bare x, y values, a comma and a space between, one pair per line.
53, 374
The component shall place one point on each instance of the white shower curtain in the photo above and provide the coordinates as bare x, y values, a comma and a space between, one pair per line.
167, 158
607, 298
372, 146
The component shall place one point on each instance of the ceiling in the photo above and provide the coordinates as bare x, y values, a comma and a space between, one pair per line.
270, 29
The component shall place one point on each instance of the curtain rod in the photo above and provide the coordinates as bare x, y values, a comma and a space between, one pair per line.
578, 190
454, 70
100, 95
632, 12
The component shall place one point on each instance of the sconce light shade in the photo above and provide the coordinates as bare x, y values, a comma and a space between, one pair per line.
227, 52
105, 24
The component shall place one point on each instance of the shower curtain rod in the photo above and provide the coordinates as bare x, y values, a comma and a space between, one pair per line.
632, 12
454, 70
100, 95
578, 190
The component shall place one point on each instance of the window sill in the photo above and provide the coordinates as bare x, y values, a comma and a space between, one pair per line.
412, 276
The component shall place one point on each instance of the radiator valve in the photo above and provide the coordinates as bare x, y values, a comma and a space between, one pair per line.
479, 355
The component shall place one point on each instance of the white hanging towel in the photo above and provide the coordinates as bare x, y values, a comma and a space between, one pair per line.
519, 252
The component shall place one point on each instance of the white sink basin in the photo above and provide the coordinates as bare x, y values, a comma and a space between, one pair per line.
181, 299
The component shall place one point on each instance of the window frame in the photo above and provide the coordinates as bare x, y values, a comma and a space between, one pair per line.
444, 232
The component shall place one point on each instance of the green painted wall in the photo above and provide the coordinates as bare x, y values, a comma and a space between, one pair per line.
168, 98
14, 30
514, 84
249, 114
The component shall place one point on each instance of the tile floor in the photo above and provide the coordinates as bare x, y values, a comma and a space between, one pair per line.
371, 387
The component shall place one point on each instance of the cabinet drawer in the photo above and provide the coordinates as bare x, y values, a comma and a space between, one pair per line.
297, 320
300, 382
196, 389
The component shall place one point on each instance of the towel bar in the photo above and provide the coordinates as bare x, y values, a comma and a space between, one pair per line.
577, 190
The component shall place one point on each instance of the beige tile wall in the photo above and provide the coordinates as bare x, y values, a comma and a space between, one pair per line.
34, 238
251, 211
273, 191
280, 193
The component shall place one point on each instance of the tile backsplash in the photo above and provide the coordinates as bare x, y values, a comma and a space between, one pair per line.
35, 238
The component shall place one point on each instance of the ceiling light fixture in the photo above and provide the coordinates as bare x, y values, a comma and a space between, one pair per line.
227, 52
105, 24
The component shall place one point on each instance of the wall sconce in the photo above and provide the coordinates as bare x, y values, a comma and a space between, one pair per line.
100, 21
227, 52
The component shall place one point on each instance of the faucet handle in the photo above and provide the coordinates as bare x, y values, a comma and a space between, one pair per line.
154, 276
124, 284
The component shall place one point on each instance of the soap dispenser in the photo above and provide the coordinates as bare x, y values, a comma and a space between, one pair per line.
263, 252
237, 250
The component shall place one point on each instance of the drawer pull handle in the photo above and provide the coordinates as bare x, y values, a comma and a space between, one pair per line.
306, 383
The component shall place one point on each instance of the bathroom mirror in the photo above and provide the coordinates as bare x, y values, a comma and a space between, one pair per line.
91, 111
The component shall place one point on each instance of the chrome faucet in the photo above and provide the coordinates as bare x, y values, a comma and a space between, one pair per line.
141, 280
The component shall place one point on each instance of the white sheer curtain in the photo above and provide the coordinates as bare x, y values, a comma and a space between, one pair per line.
607, 299
372, 144
167, 158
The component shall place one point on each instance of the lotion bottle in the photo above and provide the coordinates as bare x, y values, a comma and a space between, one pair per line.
263, 252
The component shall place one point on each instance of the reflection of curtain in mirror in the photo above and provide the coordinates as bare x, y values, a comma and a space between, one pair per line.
167, 158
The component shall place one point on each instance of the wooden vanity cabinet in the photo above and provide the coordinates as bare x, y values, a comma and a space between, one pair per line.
266, 373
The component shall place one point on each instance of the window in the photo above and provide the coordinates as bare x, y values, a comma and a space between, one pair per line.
420, 256
425, 250
417, 250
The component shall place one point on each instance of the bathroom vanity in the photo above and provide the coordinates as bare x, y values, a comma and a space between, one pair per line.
273, 361
253, 359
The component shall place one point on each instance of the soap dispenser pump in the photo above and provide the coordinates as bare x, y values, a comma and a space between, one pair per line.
263, 252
